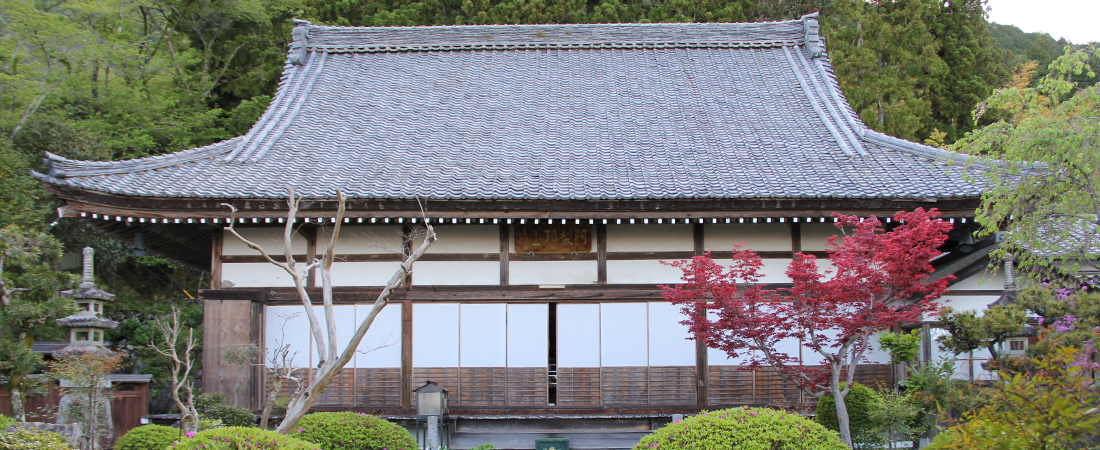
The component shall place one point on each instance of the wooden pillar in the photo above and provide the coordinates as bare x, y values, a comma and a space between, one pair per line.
796, 237
406, 353
216, 258
702, 366
227, 324
601, 253
505, 248
256, 387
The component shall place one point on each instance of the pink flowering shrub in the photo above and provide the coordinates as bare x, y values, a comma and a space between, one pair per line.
241, 438
353, 431
743, 429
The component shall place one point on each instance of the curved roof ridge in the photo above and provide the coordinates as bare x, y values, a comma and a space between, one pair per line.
299, 100
830, 106
808, 91
922, 150
63, 167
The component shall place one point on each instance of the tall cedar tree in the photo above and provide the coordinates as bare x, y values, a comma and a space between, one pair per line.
881, 279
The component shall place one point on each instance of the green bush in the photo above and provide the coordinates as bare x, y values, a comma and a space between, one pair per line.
213, 406
148, 437
860, 401
241, 438
23, 439
743, 429
484, 447
353, 431
980, 433
5, 422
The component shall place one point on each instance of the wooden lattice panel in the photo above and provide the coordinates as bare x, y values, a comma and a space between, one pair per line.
729, 386
772, 388
340, 391
526, 386
674, 385
483, 386
447, 377
377, 387
624, 385
875, 376
579, 386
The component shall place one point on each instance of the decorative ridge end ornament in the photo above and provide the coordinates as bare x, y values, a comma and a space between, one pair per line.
300, 36
813, 35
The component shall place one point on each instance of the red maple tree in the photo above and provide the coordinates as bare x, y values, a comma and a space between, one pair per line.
879, 279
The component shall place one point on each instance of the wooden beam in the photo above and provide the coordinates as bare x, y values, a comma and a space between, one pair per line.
601, 253
256, 334
505, 253
796, 237
216, 239
310, 233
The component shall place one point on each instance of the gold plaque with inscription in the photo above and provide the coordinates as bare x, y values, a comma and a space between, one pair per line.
553, 238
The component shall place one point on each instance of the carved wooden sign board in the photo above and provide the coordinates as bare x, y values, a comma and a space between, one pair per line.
553, 239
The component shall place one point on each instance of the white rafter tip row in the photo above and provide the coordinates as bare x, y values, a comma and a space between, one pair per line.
496, 221
645, 221
631, 221
387, 220
373, 220
509, 221
522, 221
83, 214
741, 220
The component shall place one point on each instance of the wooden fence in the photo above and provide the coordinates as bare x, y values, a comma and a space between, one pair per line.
129, 401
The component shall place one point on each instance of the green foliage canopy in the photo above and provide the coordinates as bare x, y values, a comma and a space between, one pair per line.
743, 428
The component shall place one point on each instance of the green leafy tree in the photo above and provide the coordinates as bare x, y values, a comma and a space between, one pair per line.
969, 331
28, 304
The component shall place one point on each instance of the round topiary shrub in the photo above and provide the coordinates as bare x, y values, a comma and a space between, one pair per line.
241, 438
860, 401
24, 439
743, 429
213, 406
148, 437
353, 431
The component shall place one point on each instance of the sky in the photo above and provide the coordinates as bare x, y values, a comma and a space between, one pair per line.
1076, 20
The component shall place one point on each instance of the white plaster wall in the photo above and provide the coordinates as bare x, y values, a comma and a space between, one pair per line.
552, 272
578, 335
773, 270
482, 335
370, 273
816, 235
344, 316
294, 332
624, 337
362, 239
717, 357
255, 275
466, 239
269, 238
381, 346
528, 335
642, 272
721, 237
668, 343
455, 273
435, 334
650, 237
984, 280
966, 302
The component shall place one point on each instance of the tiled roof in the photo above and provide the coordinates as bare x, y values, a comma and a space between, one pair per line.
627, 111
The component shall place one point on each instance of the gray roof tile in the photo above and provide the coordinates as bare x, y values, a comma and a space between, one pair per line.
626, 111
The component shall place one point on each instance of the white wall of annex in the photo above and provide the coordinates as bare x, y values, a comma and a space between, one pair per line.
578, 335
624, 337
977, 303
528, 335
466, 239
456, 273
552, 272
294, 332
255, 275
761, 237
269, 238
362, 239
984, 280
641, 272
367, 273
668, 343
650, 238
381, 346
773, 270
435, 335
482, 335
816, 235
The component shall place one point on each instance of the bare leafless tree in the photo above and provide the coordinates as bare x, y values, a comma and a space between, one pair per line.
181, 363
332, 359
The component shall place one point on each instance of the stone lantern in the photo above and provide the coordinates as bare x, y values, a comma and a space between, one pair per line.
87, 327
431, 406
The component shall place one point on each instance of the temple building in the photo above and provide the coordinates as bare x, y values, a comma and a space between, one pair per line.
559, 164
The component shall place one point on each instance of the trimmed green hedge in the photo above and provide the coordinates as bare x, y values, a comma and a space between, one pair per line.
860, 401
213, 406
23, 439
148, 437
241, 438
354, 431
743, 429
